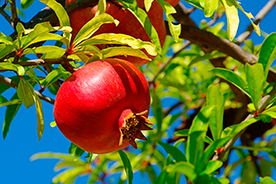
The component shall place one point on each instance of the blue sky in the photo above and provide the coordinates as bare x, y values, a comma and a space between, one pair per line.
22, 142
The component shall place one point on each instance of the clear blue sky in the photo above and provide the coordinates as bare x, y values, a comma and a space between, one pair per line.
21, 142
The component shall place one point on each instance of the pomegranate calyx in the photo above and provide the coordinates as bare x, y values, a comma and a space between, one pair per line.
131, 129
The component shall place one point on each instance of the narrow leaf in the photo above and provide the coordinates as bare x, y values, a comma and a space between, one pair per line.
210, 7
128, 51
122, 39
212, 166
175, 29
249, 15
215, 98
75, 151
59, 10
92, 26
25, 93
233, 78
183, 167
197, 132
101, 7
268, 53
39, 114
255, 79
26, 3
10, 114
5, 50
232, 18
15, 67
127, 166
175, 152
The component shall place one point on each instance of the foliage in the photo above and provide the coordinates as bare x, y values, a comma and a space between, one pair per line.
215, 104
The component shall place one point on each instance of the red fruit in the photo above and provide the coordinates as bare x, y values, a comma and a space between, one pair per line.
173, 2
103, 106
128, 23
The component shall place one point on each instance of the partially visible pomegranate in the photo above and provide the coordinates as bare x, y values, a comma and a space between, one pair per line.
129, 24
103, 106
173, 2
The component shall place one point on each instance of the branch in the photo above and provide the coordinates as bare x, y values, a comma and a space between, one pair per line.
7, 81
14, 16
4, 14
36, 62
263, 104
209, 42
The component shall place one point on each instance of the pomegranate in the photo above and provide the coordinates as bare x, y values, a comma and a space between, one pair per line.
129, 24
173, 2
103, 106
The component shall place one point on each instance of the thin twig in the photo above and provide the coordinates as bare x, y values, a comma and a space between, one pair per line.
263, 104
164, 65
14, 16
5, 15
259, 17
41, 62
7, 81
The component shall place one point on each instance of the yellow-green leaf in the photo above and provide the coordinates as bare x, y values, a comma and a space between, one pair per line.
232, 18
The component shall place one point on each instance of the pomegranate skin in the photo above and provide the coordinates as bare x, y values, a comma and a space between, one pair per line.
129, 24
92, 103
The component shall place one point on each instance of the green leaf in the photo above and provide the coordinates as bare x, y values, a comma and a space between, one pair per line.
267, 180
10, 114
210, 7
268, 53
92, 26
118, 51
233, 78
40, 34
53, 76
69, 176
26, 4
122, 39
50, 155
175, 29
141, 15
6, 50
201, 121
175, 152
183, 167
39, 114
209, 151
185, 133
212, 166
235, 129
59, 10
6, 39
197, 133
101, 7
249, 15
48, 49
215, 98
15, 67
255, 80
25, 93
75, 151
232, 18
207, 179
195, 3
127, 166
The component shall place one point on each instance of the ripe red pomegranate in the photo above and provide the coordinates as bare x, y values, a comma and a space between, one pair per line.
173, 2
103, 106
128, 23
